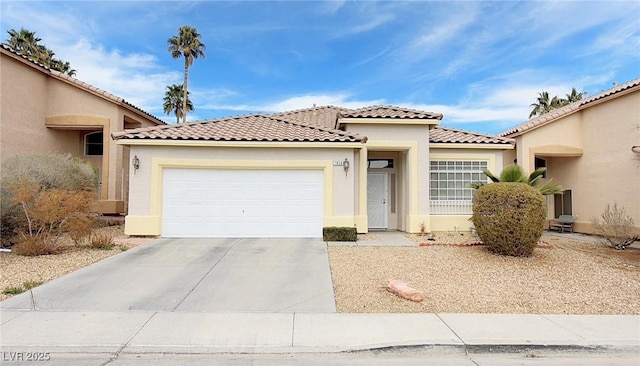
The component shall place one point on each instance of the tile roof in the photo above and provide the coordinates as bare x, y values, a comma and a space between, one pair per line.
82, 85
440, 134
242, 128
311, 124
381, 111
568, 109
325, 116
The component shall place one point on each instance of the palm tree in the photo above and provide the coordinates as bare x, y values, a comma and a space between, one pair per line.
514, 173
186, 44
574, 96
543, 104
25, 43
62, 66
172, 101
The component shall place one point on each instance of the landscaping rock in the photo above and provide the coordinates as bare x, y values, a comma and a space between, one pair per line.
403, 290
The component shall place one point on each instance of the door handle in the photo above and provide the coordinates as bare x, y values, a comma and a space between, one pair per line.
384, 201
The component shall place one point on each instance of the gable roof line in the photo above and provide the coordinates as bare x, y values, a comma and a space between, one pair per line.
574, 107
469, 137
79, 84
376, 111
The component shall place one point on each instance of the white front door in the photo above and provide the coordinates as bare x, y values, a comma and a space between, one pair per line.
377, 200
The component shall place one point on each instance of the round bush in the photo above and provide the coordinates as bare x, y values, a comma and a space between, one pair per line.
509, 217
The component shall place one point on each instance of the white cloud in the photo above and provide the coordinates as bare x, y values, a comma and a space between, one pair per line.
135, 77
340, 99
307, 101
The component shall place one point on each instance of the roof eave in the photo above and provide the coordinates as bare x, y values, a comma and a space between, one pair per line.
241, 144
462, 145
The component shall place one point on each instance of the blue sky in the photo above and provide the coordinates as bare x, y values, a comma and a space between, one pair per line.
480, 63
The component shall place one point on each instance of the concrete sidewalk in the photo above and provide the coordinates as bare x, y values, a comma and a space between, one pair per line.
136, 332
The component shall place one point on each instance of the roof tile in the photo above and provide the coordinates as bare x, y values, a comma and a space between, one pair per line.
381, 111
441, 134
242, 128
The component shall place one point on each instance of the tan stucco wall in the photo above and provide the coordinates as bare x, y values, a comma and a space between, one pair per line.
42, 114
607, 171
145, 205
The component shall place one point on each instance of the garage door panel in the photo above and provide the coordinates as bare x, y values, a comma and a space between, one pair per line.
242, 203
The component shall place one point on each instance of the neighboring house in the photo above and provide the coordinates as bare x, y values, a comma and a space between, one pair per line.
592, 147
46, 111
292, 173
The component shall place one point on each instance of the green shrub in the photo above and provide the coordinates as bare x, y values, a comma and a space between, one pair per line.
509, 217
334, 233
615, 227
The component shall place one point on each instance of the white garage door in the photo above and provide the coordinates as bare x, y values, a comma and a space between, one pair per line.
242, 203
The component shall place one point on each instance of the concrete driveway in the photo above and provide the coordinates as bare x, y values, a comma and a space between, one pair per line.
197, 275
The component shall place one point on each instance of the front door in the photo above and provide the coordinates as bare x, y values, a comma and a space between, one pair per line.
377, 200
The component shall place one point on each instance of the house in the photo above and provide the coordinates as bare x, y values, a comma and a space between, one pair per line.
292, 173
46, 111
592, 147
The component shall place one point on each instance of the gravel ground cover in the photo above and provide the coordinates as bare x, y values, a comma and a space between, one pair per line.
562, 277
15, 270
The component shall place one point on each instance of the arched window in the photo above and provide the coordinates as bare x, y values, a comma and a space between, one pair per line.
93, 143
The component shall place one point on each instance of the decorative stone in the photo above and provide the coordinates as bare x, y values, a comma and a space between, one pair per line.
403, 290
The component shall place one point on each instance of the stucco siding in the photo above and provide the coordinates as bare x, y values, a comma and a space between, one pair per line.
42, 113
24, 100
606, 171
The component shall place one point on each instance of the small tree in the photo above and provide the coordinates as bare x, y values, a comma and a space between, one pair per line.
615, 227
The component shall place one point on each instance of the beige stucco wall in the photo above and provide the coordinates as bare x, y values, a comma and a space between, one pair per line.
42, 114
608, 171
145, 184
24, 100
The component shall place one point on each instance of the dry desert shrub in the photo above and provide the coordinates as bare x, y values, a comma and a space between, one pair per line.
615, 227
49, 214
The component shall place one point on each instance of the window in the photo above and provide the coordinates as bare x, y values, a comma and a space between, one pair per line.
93, 143
380, 163
450, 179
540, 163
562, 203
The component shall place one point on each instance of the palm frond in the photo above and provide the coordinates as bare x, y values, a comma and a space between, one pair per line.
513, 173
491, 176
536, 175
549, 186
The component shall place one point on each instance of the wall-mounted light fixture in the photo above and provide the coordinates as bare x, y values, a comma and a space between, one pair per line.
636, 149
345, 165
135, 162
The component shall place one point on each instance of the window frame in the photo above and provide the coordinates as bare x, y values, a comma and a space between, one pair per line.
450, 179
94, 144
